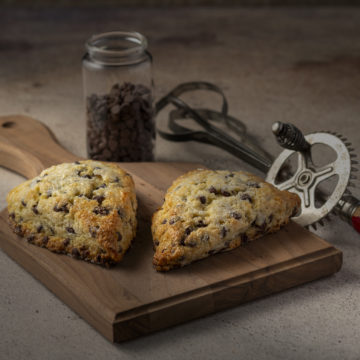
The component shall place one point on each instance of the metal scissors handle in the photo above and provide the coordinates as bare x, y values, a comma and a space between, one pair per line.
205, 118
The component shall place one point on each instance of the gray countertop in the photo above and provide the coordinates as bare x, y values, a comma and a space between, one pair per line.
296, 65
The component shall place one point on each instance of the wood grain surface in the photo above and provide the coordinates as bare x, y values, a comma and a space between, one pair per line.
133, 299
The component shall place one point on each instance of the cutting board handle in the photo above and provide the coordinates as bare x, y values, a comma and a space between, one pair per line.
27, 146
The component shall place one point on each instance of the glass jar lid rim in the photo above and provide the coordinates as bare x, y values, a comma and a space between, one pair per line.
138, 41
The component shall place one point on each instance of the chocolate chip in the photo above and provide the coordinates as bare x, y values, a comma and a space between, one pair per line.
229, 175
262, 227
101, 210
212, 190
83, 247
86, 176
174, 220
102, 186
200, 224
77, 162
70, 230
191, 243
61, 208
164, 222
99, 258
156, 242
39, 228
227, 244
45, 240
119, 236
23, 203
75, 252
116, 180
99, 198
205, 237
225, 193
30, 238
85, 254
93, 230
244, 239
246, 197
52, 230
270, 218
253, 184
18, 229
188, 231
66, 242
120, 124
121, 213
35, 210
223, 232
108, 262
202, 199
236, 215
115, 109
12, 216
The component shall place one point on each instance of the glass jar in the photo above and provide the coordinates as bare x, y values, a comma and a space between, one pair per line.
117, 75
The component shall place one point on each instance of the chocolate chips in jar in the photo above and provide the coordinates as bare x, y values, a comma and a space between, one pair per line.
120, 125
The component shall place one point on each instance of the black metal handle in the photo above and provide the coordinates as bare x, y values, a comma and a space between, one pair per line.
290, 137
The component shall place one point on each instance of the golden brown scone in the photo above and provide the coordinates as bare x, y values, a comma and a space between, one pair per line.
86, 209
206, 212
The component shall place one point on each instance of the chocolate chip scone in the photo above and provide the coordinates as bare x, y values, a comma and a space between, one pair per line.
86, 209
206, 212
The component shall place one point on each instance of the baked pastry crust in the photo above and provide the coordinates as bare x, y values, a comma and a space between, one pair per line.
85, 209
206, 212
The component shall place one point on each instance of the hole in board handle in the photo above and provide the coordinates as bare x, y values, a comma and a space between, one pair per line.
8, 124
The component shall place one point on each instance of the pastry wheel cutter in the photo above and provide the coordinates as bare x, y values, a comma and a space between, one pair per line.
316, 204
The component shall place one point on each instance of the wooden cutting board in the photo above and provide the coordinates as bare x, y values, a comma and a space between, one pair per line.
133, 299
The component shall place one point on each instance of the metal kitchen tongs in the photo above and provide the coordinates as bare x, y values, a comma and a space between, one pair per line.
207, 119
